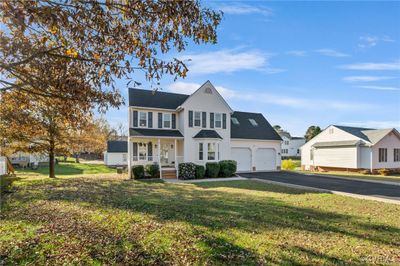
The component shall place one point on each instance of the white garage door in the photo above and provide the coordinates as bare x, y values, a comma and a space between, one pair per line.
265, 159
243, 158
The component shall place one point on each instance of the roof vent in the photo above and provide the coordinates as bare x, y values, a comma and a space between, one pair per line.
208, 91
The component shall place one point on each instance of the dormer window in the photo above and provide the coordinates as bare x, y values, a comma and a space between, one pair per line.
235, 121
253, 122
142, 119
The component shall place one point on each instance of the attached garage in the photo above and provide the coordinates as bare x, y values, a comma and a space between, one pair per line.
255, 145
243, 158
265, 159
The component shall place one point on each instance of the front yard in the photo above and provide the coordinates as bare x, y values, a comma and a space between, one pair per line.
109, 220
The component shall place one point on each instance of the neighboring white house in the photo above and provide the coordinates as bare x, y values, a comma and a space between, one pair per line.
170, 128
24, 159
352, 148
291, 145
117, 153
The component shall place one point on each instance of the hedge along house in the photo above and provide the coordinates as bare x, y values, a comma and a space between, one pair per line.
169, 128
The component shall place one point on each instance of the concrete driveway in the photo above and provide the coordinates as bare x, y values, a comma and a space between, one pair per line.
364, 188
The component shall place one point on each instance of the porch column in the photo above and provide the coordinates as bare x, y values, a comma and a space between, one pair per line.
159, 155
176, 157
129, 146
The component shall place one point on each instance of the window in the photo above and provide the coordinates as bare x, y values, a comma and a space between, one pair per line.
286, 142
331, 131
208, 91
234, 120
197, 119
142, 119
167, 120
218, 120
298, 151
382, 155
201, 151
253, 122
211, 152
142, 150
396, 155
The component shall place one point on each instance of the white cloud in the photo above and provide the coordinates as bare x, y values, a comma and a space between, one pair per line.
228, 61
373, 124
373, 66
382, 88
275, 99
371, 41
366, 78
242, 9
297, 53
331, 52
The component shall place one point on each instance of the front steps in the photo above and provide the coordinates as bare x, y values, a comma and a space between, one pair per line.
168, 173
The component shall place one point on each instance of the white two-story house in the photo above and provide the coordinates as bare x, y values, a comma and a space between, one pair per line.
169, 128
291, 145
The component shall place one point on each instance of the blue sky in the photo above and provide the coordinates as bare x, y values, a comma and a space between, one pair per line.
299, 63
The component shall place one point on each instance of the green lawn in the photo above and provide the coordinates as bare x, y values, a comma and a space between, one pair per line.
103, 220
67, 169
391, 178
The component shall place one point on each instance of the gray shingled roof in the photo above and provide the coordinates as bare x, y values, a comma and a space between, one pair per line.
245, 130
207, 134
117, 146
155, 99
368, 134
344, 143
146, 132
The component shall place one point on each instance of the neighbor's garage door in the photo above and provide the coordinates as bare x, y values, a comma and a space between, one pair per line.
265, 159
243, 158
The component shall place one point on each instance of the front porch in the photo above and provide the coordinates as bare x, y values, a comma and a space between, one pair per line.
167, 152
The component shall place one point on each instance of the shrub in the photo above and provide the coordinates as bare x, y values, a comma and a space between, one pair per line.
365, 172
212, 169
138, 171
200, 171
384, 171
153, 170
227, 168
288, 165
187, 171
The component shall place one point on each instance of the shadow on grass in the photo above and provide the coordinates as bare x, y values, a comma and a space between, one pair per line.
207, 206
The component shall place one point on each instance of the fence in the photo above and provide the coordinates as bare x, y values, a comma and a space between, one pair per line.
3, 165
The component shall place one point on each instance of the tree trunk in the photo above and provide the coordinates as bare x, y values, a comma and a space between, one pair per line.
76, 157
51, 160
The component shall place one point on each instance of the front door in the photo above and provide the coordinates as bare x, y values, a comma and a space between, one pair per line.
164, 153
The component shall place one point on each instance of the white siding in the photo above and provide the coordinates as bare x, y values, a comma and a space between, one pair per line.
326, 135
253, 145
365, 160
115, 158
3, 165
391, 142
344, 157
204, 102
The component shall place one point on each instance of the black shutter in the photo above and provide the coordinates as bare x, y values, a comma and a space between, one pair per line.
135, 151
211, 120
204, 119
173, 121
149, 152
224, 121
150, 119
190, 118
135, 119
159, 120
